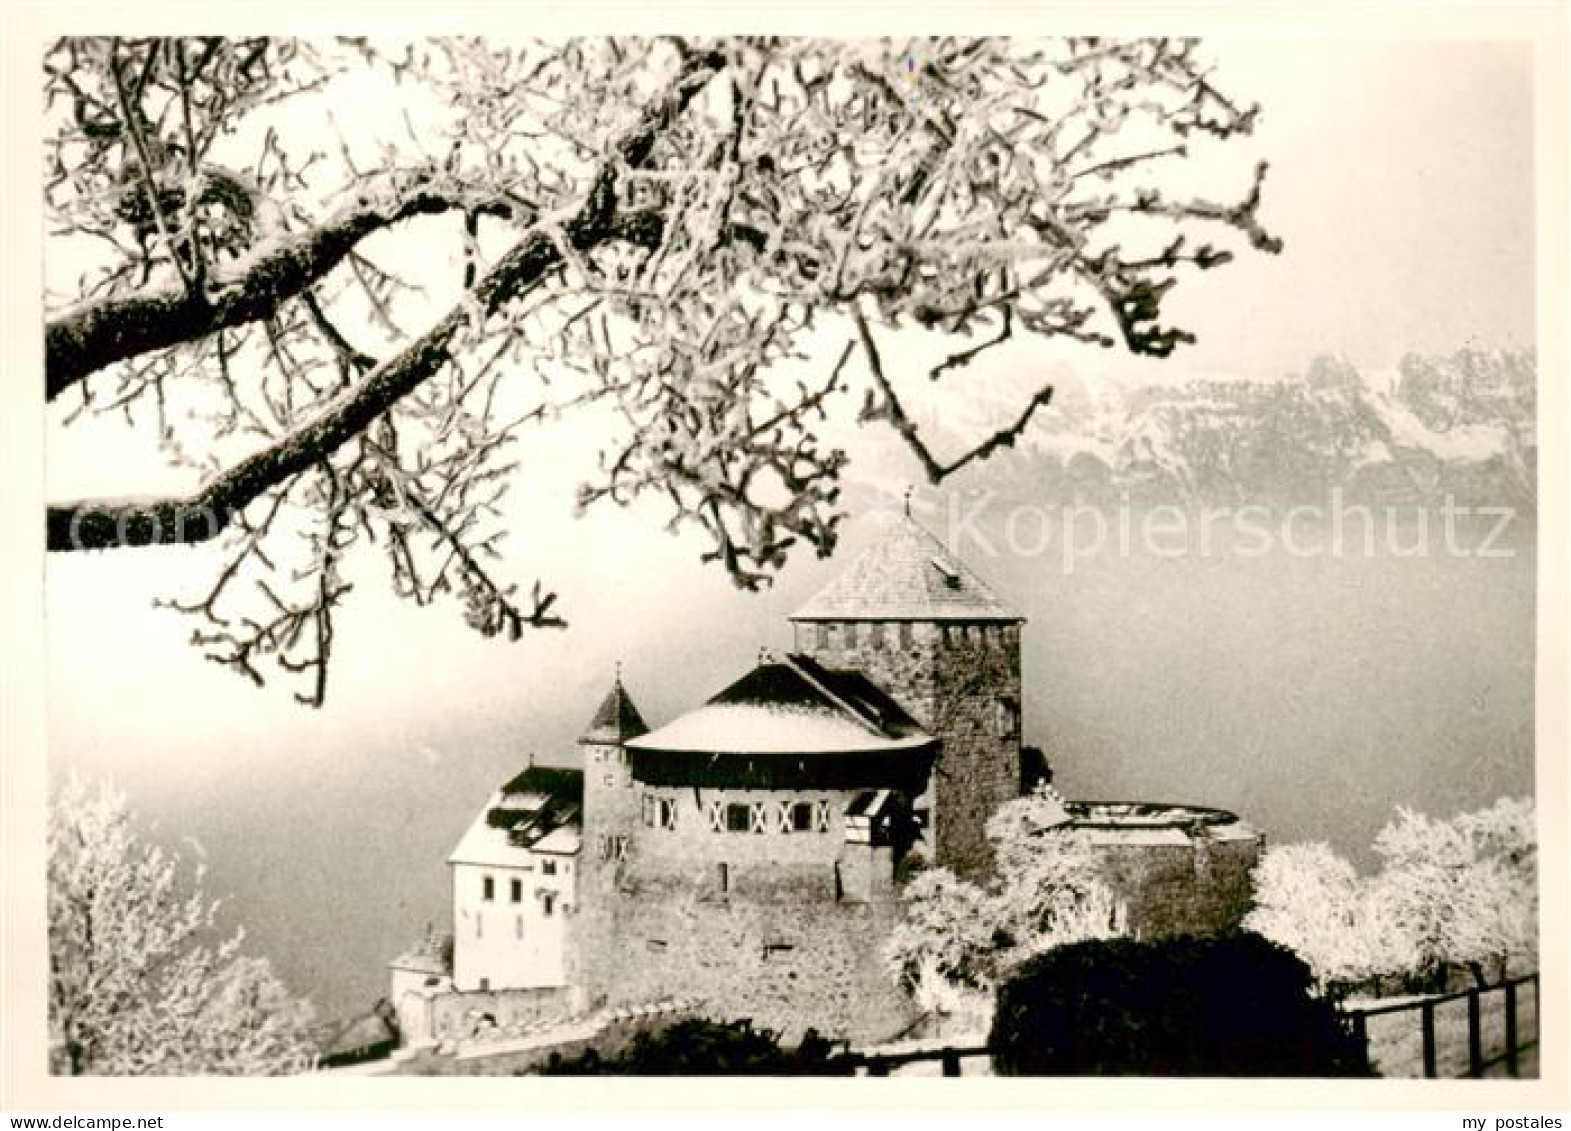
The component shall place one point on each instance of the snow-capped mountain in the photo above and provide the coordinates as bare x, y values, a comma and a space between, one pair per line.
1463, 425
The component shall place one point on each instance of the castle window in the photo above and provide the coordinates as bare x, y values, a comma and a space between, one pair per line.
651, 811
487, 888
821, 813
1008, 717
716, 817
619, 849
760, 818
668, 813
548, 903
548, 867
738, 818
515, 890
799, 818
822, 632
905, 634
610, 779
851, 634
485, 985
723, 874
875, 634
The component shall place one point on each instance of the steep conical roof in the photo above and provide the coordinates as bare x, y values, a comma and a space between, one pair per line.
906, 574
617, 719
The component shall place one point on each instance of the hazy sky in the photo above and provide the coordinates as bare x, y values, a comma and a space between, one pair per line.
1401, 182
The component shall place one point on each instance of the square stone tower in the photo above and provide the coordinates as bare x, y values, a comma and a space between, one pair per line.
916, 621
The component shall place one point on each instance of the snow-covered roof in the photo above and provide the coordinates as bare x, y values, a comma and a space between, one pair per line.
1138, 822
537, 811
792, 706
906, 574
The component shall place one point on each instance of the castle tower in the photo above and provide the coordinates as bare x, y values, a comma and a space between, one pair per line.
914, 619
611, 807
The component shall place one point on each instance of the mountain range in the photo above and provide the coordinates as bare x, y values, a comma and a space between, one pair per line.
1462, 425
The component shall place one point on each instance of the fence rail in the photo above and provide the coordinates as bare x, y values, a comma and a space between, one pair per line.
1515, 1043
882, 1064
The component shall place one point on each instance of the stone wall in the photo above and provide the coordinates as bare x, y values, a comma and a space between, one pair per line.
1203, 886
446, 1014
607, 1032
788, 956
783, 927
977, 705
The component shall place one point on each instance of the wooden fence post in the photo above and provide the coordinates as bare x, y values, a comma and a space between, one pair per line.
1511, 1062
1475, 1042
1361, 1032
1429, 1039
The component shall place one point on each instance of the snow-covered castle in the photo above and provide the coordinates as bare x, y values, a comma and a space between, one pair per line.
748, 853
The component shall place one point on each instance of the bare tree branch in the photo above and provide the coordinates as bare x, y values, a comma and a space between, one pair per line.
93, 525
894, 412
99, 333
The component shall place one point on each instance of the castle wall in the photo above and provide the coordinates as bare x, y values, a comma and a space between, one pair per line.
784, 926
683, 836
495, 1055
444, 1014
789, 958
1201, 887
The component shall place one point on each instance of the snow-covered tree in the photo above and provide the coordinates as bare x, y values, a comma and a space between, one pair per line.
1465, 891
358, 312
1051, 887
956, 938
946, 932
1313, 902
140, 982
1450, 893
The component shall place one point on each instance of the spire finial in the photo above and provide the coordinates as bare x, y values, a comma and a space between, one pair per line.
908, 500
619, 673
